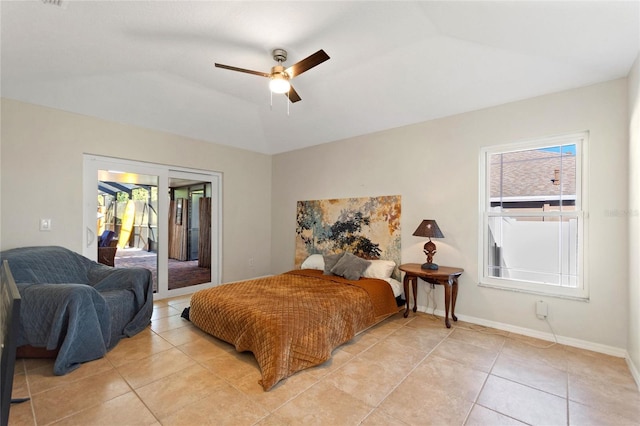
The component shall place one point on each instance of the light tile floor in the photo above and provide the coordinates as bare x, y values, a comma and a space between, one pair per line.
409, 371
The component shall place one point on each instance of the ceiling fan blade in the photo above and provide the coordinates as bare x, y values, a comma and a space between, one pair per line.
229, 67
307, 63
293, 95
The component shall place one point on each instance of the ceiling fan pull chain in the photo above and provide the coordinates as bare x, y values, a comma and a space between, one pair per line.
288, 103
271, 104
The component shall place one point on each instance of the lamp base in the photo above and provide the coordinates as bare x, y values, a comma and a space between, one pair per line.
431, 266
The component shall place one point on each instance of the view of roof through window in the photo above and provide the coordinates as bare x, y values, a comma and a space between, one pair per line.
533, 178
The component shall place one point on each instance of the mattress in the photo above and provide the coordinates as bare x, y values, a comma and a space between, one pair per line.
291, 321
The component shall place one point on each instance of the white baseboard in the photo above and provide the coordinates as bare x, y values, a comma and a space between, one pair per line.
634, 370
569, 341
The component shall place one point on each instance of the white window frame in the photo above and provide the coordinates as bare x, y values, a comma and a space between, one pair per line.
581, 291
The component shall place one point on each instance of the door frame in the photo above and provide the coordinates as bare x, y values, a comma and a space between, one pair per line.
93, 163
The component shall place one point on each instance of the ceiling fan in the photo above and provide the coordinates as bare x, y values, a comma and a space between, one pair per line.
280, 76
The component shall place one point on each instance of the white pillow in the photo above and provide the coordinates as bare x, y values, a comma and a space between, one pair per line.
381, 269
396, 286
315, 261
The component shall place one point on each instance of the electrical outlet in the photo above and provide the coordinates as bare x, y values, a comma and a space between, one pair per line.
542, 309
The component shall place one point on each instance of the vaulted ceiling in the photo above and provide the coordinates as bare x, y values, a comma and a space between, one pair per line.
151, 63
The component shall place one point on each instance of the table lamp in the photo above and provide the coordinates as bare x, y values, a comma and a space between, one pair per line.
429, 228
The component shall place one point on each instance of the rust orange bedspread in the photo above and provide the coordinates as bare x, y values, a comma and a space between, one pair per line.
291, 321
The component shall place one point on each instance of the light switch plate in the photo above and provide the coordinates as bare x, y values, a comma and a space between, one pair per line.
45, 224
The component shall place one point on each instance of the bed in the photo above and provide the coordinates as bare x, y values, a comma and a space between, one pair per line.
294, 320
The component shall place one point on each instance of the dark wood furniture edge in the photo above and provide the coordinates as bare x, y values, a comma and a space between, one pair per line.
445, 276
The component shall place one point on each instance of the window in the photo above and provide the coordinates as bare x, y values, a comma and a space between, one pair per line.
532, 216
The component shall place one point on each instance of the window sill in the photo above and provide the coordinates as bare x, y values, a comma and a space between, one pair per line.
535, 292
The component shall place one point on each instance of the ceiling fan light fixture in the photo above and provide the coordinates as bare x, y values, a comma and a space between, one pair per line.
279, 84
280, 76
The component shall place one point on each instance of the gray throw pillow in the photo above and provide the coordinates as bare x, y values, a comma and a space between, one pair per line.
330, 261
350, 267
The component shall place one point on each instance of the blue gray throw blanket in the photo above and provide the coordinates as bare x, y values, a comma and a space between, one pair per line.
76, 305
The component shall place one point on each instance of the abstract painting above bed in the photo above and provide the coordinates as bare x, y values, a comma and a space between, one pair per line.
368, 227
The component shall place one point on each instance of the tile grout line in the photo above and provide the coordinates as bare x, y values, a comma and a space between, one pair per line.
134, 390
102, 402
26, 378
31, 395
225, 380
421, 361
523, 384
484, 383
567, 397
379, 341
321, 378
393, 388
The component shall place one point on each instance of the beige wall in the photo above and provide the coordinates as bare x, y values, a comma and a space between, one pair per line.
634, 218
434, 167
41, 177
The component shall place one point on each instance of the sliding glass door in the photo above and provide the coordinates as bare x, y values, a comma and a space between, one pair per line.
191, 223
163, 219
127, 220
